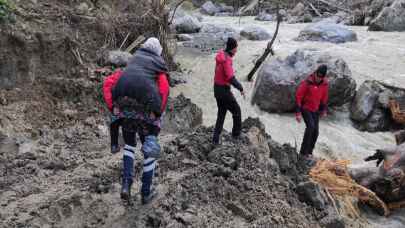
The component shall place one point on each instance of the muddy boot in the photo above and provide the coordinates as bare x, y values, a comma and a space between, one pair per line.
146, 199
115, 149
126, 189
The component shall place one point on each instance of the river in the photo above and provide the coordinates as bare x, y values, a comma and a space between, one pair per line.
376, 55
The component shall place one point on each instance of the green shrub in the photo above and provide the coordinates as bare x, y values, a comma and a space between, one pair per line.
6, 11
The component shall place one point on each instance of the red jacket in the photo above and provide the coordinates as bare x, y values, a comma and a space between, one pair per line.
223, 69
311, 96
110, 82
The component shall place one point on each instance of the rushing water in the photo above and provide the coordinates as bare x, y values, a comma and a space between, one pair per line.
376, 55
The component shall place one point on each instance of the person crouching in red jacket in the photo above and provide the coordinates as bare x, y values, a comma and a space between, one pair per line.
312, 100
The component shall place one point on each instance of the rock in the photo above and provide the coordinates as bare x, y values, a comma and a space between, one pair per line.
118, 58
390, 18
187, 24
198, 3
83, 7
264, 17
255, 33
332, 220
327, 32
209, 8
299, 10
225, 8
184, 37
306, 18
400, 137
379, 120
177, 78
364, 101
310, 193
182, 115
370, 108
338, 18
278, 79
212, 37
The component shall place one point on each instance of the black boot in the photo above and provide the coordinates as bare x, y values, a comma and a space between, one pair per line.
147, 199
126, 189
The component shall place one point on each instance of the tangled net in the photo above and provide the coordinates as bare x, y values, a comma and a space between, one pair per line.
335, 178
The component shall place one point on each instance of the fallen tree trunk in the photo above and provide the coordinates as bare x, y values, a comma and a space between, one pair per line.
268, 50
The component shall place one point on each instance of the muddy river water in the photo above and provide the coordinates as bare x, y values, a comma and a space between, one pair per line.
376, 55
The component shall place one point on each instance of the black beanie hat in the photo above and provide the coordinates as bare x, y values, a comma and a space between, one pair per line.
231, 43
322, 70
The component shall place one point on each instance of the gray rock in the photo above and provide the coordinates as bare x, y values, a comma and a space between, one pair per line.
212, 37
364, 101
225, 8
310, 193
379, 120
187, 24
118, 58
255, 33
264, 17
384, 98
198, 3
278, 79
209, 8
390, 18
184, 37
327, 32
181, 115
298, 10
306, 18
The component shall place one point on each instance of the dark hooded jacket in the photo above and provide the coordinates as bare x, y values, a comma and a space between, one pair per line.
138, 80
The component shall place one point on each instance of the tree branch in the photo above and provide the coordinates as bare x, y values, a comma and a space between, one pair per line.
174, 11
268, 50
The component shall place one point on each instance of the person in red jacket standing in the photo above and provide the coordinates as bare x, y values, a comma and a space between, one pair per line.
224, 78
312, 100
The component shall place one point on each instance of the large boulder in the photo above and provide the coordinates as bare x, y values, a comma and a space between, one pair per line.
390, 18
182, 115
212, 37
209, 8
298, 10
327, 32
364, 101
187, 24
198, 3
225, 8
370, 108
278, 79
255, 33
306, 18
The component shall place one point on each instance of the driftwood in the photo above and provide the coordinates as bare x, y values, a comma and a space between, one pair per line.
269, 49
314, 9
134, 44
335, 6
